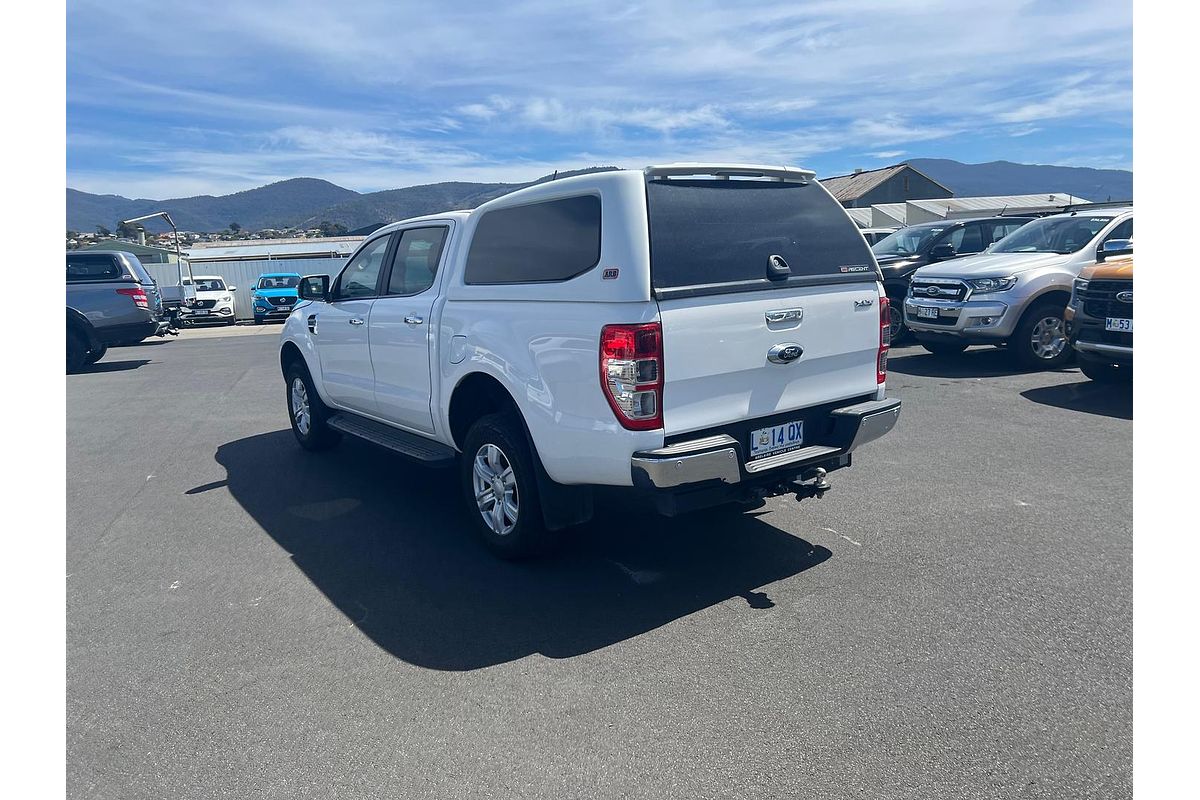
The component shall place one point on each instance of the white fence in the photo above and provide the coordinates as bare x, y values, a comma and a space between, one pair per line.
244, 274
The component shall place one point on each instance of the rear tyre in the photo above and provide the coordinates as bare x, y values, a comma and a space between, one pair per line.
950, 347
1040, 340
1102, 371
77, 351
499, 488
309, 416
95, 355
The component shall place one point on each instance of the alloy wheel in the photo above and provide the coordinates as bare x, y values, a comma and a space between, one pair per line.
300, 409
495, 487
1049, 338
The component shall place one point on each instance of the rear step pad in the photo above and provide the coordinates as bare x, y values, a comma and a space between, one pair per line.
418, 448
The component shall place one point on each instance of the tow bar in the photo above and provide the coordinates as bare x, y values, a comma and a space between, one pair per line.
812, 483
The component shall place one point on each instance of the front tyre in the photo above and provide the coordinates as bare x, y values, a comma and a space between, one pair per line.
309, 416
898, 332
1102, 371
77, 351
944, 347
499, 487
95, 355
1040, 340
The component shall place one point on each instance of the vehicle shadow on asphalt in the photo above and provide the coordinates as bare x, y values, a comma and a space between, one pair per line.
989, 362
388, 543
114, 366
1105, 399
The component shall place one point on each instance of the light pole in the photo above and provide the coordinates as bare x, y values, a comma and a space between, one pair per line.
178, 259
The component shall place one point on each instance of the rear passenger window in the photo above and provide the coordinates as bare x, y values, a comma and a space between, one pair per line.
550, 241
416, 261
92, 267
967, 239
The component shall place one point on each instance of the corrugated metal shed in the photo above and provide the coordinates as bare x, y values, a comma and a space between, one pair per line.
888, 215
861, 216
339, 247
951, 207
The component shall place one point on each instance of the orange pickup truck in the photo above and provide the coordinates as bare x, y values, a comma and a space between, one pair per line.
1100, 316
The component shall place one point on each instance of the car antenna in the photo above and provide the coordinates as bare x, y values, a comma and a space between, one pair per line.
554, 177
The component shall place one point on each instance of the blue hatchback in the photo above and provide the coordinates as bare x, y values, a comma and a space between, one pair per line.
275, 295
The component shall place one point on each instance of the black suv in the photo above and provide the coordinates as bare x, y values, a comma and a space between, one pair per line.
900, 253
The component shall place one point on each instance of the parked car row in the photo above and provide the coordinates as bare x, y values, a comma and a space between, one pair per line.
1016, 282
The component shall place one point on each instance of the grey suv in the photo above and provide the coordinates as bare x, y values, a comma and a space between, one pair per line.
111, 299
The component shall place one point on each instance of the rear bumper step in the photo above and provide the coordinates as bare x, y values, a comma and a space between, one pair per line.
418, 448
721, 458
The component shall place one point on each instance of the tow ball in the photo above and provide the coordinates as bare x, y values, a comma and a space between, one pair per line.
812, 483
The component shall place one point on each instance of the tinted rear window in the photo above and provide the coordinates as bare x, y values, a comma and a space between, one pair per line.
551, 241
93, 267
714, 232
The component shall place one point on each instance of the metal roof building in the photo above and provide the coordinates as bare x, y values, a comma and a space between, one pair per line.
959, 207
274, 249
896, 183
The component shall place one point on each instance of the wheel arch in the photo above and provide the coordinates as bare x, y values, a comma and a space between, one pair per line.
478, 394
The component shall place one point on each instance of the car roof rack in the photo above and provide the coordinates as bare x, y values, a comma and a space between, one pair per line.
727, 171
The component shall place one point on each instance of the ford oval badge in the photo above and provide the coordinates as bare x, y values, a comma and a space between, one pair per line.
784, 353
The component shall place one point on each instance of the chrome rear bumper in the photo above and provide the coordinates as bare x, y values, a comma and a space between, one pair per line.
721, 457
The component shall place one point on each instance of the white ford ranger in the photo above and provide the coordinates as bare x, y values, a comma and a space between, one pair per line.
702, 334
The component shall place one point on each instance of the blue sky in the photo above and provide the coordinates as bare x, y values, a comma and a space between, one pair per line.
216, 97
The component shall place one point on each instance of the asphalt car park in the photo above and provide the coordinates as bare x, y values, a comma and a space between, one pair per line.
247, 619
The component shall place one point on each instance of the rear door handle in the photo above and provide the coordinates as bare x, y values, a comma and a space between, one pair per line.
355, 321
413, 320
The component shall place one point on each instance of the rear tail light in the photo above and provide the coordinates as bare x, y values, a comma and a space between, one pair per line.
885, 336
631, 373
140, 298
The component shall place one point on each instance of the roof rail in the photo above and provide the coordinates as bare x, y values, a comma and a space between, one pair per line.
726, 171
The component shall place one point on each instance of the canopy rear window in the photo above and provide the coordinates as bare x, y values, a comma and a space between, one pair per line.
709, 236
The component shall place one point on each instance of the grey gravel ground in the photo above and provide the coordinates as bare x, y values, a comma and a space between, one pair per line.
248, 620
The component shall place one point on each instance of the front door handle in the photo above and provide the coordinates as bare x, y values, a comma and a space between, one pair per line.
355, 321
413, 320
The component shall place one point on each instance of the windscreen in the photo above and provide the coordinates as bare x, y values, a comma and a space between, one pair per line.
209, 285
906, 241
720, 233
1062, 235
279, 281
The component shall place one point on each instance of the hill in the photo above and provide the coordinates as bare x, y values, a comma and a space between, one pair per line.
391, 205
276, 205
1005, 177
303, 202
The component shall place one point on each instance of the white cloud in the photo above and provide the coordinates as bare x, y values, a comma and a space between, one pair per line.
302, 87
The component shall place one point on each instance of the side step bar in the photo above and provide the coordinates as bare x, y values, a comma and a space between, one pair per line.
418, 448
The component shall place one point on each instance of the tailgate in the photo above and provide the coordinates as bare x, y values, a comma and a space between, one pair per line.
767, 293
717, 352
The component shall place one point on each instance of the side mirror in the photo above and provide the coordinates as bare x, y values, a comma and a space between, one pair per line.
1115, 247
943, 252
233, 288
314, 287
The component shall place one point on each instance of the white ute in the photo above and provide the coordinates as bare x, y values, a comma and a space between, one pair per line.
696, 333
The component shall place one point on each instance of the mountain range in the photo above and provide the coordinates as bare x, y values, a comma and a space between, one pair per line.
306, 202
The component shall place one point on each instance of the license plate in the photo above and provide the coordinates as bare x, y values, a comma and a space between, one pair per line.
199, 312
777, 439
1118, 324
927, 312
